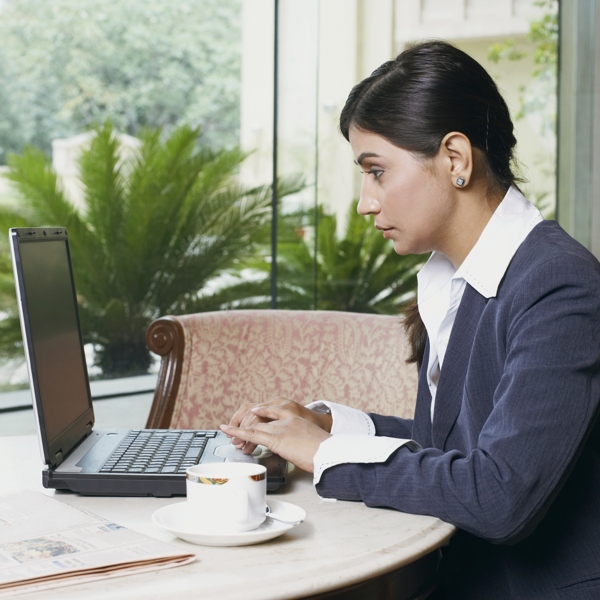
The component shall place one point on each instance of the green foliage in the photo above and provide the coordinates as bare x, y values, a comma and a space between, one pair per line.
66, 66
156, 233
356, 272
506, 50
538, 98
544, 34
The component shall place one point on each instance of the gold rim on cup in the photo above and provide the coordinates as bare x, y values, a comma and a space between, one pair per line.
219, 480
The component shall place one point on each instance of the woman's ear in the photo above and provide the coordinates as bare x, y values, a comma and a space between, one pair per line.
457, 154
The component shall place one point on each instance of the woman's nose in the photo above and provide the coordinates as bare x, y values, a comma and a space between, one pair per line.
367, 205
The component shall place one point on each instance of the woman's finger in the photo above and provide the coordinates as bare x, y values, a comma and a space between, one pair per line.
294, 439
289, 410
241, 413
249, 437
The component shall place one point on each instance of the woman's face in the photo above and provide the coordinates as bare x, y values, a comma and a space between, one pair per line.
404, 193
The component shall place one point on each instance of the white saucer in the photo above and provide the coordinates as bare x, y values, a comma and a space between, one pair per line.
175, 518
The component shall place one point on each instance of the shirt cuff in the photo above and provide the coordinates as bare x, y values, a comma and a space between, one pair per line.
342, 448
345, 419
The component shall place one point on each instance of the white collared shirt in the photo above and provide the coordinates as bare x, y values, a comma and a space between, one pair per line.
440, 290
441, 286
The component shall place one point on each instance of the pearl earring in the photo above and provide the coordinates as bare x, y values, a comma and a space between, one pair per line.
460, 182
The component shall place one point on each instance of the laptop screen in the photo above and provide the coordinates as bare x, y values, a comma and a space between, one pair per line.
54, 340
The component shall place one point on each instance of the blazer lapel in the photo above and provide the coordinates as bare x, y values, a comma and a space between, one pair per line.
421, 431
449, 393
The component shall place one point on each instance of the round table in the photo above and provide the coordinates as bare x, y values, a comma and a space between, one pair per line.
342, 549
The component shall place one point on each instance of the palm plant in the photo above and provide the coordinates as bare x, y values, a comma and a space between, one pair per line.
356, 272
155, 234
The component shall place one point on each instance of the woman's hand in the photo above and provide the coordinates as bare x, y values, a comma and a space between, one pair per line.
249, 415
282, 431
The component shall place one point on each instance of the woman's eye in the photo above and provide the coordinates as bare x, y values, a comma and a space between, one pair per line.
377, 173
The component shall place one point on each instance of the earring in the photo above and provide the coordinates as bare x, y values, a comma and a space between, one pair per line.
460, 182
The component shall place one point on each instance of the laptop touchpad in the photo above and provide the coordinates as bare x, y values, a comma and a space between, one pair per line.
231, 453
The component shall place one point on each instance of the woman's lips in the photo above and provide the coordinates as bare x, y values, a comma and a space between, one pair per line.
386, 232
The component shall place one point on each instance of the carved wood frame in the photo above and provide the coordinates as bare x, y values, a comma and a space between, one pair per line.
166, 337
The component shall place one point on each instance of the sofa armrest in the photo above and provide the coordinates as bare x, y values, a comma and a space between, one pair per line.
166, 337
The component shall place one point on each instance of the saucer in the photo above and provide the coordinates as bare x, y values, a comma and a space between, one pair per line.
175, 519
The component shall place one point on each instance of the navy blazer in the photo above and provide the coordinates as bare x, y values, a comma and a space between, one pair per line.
512, 457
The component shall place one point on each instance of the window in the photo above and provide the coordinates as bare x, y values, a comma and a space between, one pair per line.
147, 64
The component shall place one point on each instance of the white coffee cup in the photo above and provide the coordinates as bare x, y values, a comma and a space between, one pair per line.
226, 497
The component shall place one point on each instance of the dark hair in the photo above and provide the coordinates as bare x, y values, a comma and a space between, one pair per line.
413, 101
427, 91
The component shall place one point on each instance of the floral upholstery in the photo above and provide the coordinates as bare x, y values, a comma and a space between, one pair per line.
233, 357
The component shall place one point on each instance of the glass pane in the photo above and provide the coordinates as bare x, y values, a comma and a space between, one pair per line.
339, 44
210, 63
297, 151
144, 237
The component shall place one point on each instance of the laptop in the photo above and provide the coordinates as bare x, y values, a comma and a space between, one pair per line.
77, 456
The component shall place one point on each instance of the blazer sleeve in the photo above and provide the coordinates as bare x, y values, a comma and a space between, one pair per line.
392, 426
542, 408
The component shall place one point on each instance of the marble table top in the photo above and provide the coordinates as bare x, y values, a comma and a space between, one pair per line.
339, 544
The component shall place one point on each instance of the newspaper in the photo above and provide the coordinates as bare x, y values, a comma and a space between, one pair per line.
45, 543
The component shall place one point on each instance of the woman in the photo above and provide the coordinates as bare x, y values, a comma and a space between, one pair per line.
507, 338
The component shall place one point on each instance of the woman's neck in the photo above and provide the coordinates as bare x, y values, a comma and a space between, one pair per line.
474, 209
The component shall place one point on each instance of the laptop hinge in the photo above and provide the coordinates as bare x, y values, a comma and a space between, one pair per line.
58, 458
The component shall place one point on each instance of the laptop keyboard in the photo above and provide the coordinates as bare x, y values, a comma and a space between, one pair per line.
158, 451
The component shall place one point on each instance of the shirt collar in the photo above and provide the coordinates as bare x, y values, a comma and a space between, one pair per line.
487, 262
